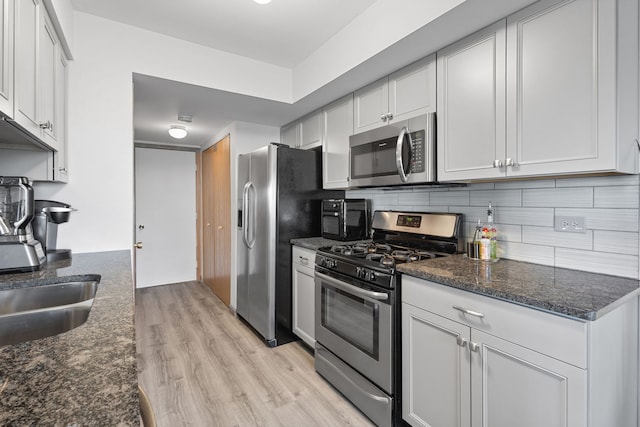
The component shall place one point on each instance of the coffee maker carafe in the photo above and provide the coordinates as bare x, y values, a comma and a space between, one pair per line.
19, 250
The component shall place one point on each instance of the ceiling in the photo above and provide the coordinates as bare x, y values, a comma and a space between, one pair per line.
283, 33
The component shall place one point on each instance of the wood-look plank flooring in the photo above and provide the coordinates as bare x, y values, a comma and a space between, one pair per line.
201, 366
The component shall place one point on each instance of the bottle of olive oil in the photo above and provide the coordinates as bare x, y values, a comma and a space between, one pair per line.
489, 237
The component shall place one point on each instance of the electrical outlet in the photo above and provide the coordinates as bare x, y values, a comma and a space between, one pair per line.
570, 224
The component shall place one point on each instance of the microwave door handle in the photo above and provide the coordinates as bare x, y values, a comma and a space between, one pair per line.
399, 144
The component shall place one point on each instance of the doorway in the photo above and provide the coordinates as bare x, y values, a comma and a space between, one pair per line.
216, 219
165, 228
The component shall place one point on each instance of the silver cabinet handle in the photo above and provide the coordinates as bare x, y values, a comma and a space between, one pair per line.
399, 164
510, 162
46, 125
383, 117
303, 260
389, 116
354, 290
497, 163
461, 341
469, 312
64, 170
474, 346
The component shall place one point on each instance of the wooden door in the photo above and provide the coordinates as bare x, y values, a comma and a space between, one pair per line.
216, 219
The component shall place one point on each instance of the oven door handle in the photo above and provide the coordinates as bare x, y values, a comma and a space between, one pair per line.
399, 144
354, 290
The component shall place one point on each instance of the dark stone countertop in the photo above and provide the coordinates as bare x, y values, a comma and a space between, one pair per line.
315, 243
88, 375
570, 293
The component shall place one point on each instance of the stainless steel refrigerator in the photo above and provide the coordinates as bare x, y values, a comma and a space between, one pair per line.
279, 198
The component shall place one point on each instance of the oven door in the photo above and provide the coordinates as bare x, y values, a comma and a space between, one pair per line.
355, 322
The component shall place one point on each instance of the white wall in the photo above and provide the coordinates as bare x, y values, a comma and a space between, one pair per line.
100, 112
244, 137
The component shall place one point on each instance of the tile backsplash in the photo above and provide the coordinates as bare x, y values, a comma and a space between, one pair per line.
524, 212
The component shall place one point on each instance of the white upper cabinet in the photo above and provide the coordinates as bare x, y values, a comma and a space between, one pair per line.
311, 131
471, 105
37, 52
570, 91
47, 67
563, 93
290, 135
404, 94
337, 121
26, 77
6, 57
61, 171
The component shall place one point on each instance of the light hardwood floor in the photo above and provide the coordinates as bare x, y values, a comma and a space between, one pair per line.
201, 366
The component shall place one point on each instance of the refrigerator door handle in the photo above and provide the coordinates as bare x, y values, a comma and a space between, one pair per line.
245, 214
251, 216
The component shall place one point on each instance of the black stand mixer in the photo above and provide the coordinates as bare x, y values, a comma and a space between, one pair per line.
19, 250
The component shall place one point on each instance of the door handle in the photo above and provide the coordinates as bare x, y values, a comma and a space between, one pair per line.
245, 214
399, 164
138, 245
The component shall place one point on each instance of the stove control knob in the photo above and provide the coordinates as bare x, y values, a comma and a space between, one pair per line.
372, 276
361, 273
333, 263
323, 262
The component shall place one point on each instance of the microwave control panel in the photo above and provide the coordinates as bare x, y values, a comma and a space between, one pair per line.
417, 148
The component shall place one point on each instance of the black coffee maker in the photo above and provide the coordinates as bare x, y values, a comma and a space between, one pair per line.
48, 215
19, 251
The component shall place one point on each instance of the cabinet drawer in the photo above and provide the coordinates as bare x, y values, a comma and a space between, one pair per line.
555, 336
303, 256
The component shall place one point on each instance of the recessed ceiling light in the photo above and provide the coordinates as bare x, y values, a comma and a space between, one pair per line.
177, 131
262, 1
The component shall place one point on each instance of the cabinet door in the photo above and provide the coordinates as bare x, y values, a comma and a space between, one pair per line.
47, 65
290, 135
556, 87
471, 106
303, 294
338, 127
26, 78
6, 57
311, 131
412, 90
61, 172
515, 386
435, 370
371, 106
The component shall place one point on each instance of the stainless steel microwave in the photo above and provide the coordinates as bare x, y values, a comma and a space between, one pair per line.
401, 153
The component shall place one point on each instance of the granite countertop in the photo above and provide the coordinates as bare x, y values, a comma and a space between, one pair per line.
570, 293
315, 243
88, 375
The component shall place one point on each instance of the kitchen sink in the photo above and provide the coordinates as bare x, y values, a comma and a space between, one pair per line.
36, 312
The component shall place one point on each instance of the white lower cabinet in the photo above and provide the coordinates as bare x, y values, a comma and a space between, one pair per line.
303, 294
503, 365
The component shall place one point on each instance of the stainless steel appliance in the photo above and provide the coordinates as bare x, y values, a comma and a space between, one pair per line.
345, 219
19, 250
397, 154
48, 215
358, 342
280, 193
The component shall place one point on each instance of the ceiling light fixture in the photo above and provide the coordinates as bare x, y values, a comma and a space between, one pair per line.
177, 131
262, 1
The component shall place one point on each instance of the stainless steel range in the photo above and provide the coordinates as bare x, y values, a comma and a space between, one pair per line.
358, 341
